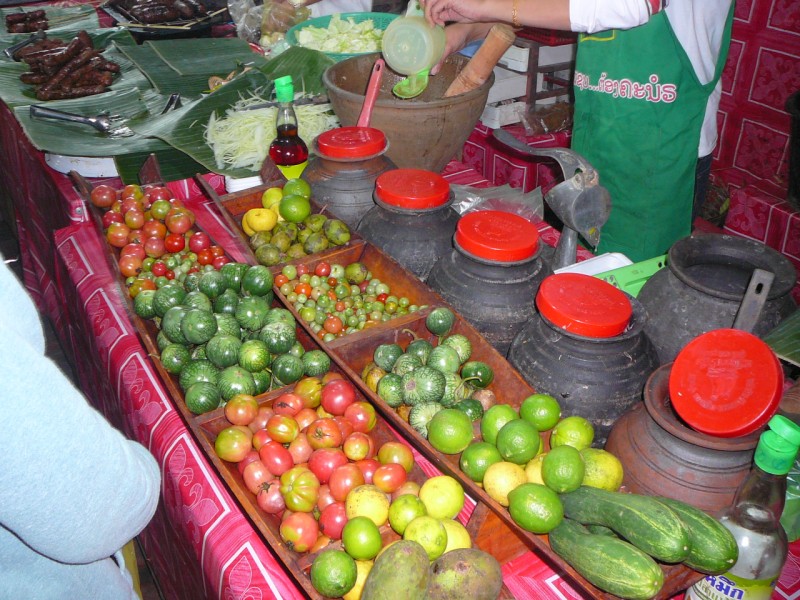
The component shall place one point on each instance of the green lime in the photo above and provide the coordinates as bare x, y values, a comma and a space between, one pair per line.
405, 509
535, 508
294, 208
540, 410
563, 469
361, 538
476, 458
450, 431
518, 441
333, 573
574, 431
429, 533
297, 186
494, 419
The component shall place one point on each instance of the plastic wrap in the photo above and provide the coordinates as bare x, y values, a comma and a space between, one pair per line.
547, 119
791, 512
246, 15
528, 205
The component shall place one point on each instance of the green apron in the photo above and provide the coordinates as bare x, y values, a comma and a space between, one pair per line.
639, 110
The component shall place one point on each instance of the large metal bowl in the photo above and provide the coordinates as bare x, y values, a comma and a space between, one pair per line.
425, 132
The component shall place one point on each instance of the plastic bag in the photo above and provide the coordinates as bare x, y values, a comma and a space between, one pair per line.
278, 17
547, 119
528, 205
791, 511
247, 18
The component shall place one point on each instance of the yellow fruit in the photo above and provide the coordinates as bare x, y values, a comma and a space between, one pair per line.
457, 535
363, 567
429, 533
367, 501
573, 431
501, 478
271, 197
246, 226
260, 219
533, 470
442, 496
603, 469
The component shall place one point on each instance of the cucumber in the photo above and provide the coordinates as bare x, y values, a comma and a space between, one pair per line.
642, 520
713, 547
610, 564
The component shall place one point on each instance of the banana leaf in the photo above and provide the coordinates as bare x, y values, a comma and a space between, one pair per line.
63, 21
785, 339
205, 56
185, 128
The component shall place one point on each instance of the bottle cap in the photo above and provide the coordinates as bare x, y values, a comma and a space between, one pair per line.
497, 236
351, 142
584, 305
726, 383
284, 89
786, 428
415, 189
775, 454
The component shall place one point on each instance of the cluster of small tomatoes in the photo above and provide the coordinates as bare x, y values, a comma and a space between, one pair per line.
153, 231
304, 453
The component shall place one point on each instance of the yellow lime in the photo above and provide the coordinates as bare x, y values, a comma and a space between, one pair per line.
367, 501
297, 186
535, 507
450, 431
518, 441
574, 431
429, 533
363, 567
333, 573
494, 419
457, 535
502, 477
294, 208
603, 469
476, 458
442, 496
405, 509
540, 410
271, 197
563, 469
261, 219
533, 470
246, 226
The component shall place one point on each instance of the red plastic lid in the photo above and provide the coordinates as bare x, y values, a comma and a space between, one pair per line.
584, 305
726, 383
351, 142
412, 188
497, 235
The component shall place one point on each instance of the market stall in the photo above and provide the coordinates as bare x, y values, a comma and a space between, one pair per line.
206, 540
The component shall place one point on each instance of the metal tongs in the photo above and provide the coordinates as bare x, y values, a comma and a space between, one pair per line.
103, 122
35, 37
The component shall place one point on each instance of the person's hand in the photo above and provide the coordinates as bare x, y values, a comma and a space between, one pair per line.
439, 12
457, 36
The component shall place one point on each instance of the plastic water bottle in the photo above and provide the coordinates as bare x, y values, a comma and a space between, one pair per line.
754, 520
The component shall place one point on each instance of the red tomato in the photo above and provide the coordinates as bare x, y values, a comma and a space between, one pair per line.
324, 433
320, 544
332, 281
345, 426
368, 467
204, 257
323, 269
358, 446
387, 478
117, 234
322, 462
325, 498
110, 217
396, 452
343, 479
241, 409
261, 418
174, 242
280, 279
134, 218
141, 284
154, 229
282, 428
131, 190
158, 268
300, 489
302, 288
305, 417
136, 237
299, 531
248, 458
302, 269
276, 458
261, 437
159, 209
310, 390
217, 251
133, 250
269, 497
158, 193
129, 265
300, 449
362, 415
337, 395
170, 274
219, 261
255, 475
232, 444
154, 246
199, 241
288, 404
332, 324
179, 220
103, 196
382, 297
332, 520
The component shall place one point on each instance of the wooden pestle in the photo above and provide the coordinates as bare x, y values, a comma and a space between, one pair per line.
479, 67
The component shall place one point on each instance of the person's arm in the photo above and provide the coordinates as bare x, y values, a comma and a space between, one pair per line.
72, 487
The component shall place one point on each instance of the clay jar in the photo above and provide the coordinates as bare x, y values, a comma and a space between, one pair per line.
343, 171
703, 287
493, 273
413, 220
586, 347
662, 456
